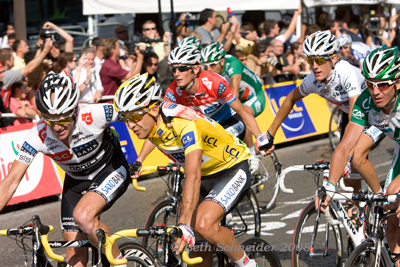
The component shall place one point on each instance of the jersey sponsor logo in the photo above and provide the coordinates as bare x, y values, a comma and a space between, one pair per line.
358, 114
74, 136
109, 111
367, 103
257, 105
43, 134
210, 141
207, 83
61, 156
53, 147
338, 88
87, 118
230, 71
221, 89
212, 108
363, 86
27, 148
50, 141
84, 149
160, 132
83, 166
188, 139
23, 158
251, 74
348, 85
169, 105
335, 94
230, 153
83, 138
170, 96
180, 157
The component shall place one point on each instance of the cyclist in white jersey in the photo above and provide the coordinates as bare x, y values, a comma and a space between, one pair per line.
381, 69
338, 83
79, 139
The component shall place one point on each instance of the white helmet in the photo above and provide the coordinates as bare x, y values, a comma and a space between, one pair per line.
344, 39
187, 55
136, 93
191, 40
65, 98
320, 44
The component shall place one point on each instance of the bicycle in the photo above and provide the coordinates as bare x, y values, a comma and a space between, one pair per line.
240, 220
313, 249
40, 245
373, 251
334, 133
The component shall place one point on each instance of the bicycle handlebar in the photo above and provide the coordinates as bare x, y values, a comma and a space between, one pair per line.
136, 186
109, 241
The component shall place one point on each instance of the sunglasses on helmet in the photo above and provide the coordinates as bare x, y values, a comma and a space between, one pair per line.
60, 121
318, 60
136, 117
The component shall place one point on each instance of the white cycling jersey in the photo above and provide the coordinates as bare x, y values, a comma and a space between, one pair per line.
92, 145
347, 81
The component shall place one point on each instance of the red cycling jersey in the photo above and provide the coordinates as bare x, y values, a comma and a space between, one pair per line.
212, 99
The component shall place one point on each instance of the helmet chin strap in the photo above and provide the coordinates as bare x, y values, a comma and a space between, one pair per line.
189, 85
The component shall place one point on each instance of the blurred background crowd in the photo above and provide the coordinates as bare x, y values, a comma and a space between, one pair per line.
100, 65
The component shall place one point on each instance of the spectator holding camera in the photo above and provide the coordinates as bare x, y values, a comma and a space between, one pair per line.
69, 40
245, 39
19, 105
67, 62
376, 39
296, 57
87, 79
293, 69
161, 48
12, 76
260, 61
20, 48
111, 73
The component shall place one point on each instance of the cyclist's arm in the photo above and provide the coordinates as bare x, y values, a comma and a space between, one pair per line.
191, 189
248, 119
235, 82
352, 100
148, 146
9, 184
285, 109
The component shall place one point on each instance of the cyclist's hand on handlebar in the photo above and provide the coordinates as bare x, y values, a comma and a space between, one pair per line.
324, 204
187, 238
134, 169
265, 142
170, 110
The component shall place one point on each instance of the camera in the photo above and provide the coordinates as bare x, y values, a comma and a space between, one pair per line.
374, 24
244, 34
274, 63
47, 33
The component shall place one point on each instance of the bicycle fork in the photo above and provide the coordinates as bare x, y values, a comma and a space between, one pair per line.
316, 223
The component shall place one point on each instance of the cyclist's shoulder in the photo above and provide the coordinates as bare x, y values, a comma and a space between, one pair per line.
211, 80
345, 69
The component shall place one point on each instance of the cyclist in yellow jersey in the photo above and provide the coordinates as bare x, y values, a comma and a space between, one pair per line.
215, 164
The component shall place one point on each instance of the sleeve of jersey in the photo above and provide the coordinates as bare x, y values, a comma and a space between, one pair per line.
110, 113
224, 90
303, 88
169, 95
27, 152
351, 83
189, 134
359, 114
236, 67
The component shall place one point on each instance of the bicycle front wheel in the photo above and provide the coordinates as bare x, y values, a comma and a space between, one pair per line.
259, 250
365, 255
303, 254
334, 134
136, 255
265, 183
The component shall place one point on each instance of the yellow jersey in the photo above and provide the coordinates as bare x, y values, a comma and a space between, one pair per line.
220, 150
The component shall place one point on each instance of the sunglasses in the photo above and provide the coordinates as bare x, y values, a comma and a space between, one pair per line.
121, 32
181, 68
384, 85
136, 117
345, 47
60, 121
152, 64
211, 63
318, 60
148, 29
75, 60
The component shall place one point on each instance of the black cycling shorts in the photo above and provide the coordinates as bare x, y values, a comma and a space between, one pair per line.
235, 125
110, 183
227, 188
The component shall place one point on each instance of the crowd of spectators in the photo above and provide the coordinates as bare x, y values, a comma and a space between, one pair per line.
268, 47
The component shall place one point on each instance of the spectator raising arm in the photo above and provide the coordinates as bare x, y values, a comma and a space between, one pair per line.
69, 40
41, 54
139, 62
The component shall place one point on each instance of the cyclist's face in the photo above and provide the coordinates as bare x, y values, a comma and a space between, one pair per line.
382, 94
321, 71
185, 77
61, 132
216, 68
143, 127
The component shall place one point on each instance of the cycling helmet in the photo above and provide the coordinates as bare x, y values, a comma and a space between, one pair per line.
320, 44
213, 52
192, 40
187, 55
136, 93
65, 98
344, 39
382, 63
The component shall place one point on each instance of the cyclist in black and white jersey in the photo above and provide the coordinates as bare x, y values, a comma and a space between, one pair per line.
79, 139
339, 83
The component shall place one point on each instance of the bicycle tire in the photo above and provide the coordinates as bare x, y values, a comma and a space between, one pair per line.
136, 255
245, 218
267, 192
364, 255
302, 241
259, 250
334, 135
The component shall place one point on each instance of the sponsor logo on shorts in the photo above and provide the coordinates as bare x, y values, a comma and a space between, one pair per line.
230, 192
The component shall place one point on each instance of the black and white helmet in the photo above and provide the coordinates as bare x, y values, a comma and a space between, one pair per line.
136, 93
187, 55
344, 39
65, 98
320, 43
